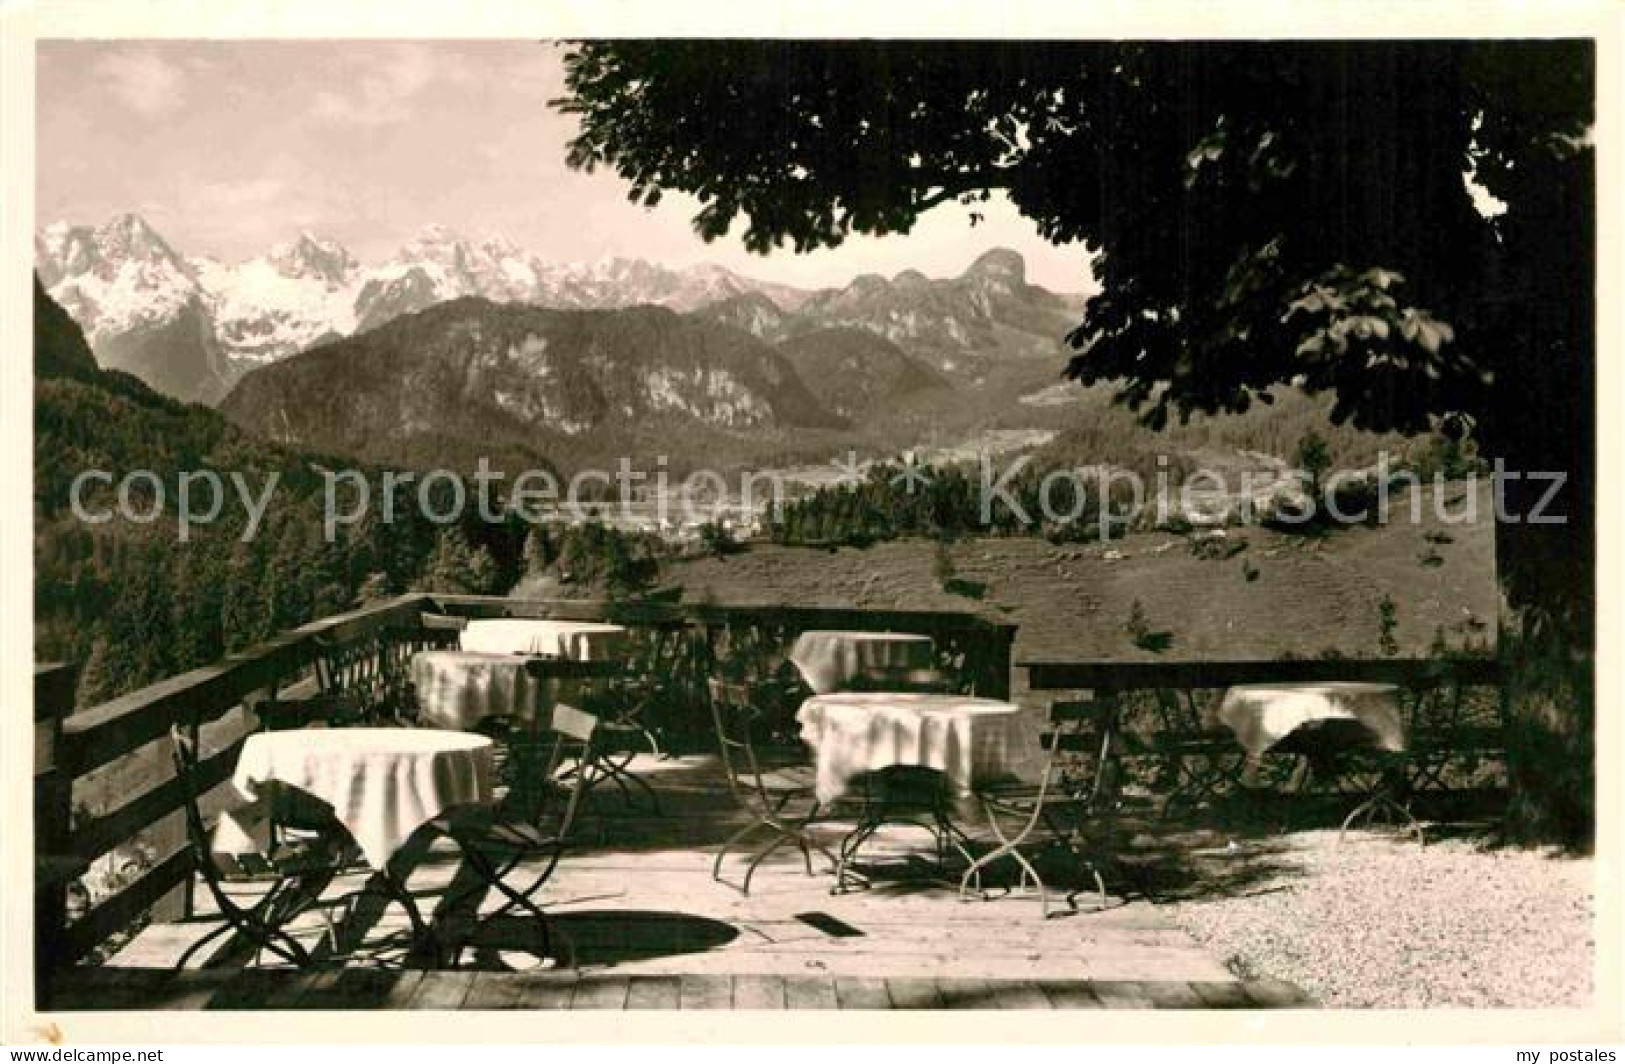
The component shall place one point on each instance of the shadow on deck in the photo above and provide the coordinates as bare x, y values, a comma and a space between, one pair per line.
650, 928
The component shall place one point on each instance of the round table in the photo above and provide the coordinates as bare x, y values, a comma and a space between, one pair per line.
457, 689
1324, 722
1264, 715
383, 783
828, 660
969, 740
577, 640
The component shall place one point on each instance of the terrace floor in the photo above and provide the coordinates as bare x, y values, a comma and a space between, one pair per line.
650, 928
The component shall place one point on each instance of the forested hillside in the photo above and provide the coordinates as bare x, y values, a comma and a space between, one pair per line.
131, 600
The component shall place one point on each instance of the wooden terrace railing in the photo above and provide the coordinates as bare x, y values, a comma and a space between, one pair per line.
1451, 734
363, 649
369, 647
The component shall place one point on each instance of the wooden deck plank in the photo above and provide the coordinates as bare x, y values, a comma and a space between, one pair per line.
758, 992
653, 992
255, 988
316, 989
191, 990
286, 991
810, 992
403, 990
1072, 995
1222, 995
965, 993
494, 990
371, 988
98, 989
856, 992
1120, 994
546, 990
705, 992
917, 993
442, 990
1270, 993
1018, 994
601, 992
1172, 995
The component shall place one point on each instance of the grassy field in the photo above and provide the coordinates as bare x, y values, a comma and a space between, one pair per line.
1278, 595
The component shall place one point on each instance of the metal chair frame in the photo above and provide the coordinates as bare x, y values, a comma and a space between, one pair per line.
1075, 727
644, 686
1201, 761
736, 717
495, 843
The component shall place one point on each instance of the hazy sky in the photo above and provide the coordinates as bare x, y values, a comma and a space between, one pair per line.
229, 146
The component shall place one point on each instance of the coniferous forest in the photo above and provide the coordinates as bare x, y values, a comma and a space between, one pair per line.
132, 602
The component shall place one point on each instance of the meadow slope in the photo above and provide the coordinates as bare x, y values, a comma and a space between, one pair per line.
1307, 596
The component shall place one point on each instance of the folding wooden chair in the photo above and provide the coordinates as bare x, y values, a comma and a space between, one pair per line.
286, 882
499, 843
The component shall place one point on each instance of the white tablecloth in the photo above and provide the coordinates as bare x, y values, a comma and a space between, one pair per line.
828, 660
383, 783
969, 740
457, 689
578, 640
1261, 715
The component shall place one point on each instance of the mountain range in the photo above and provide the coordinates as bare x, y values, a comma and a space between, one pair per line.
193, 326
532, 387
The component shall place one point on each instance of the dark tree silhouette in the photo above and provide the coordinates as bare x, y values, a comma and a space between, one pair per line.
1262, 213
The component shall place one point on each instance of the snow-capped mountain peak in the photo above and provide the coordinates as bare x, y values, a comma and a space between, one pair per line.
311, 256
123, 279
127, 237
115, 278
498, 246
436, 244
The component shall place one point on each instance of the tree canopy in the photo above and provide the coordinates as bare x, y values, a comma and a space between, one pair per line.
1262, 212
1258, 213
1408, 226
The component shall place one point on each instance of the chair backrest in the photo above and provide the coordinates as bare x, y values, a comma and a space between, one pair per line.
183, 754
665, 646
573, 723
328, 667
572, 727
349, 676
1179, 715
1080, 730
734, 715
183, 746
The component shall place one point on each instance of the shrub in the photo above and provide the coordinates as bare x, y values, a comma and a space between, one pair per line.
717, 539
1387, 624
1314, 457
1140, 633
1216, 547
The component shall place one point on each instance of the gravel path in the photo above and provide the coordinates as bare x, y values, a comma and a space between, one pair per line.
1380, 923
